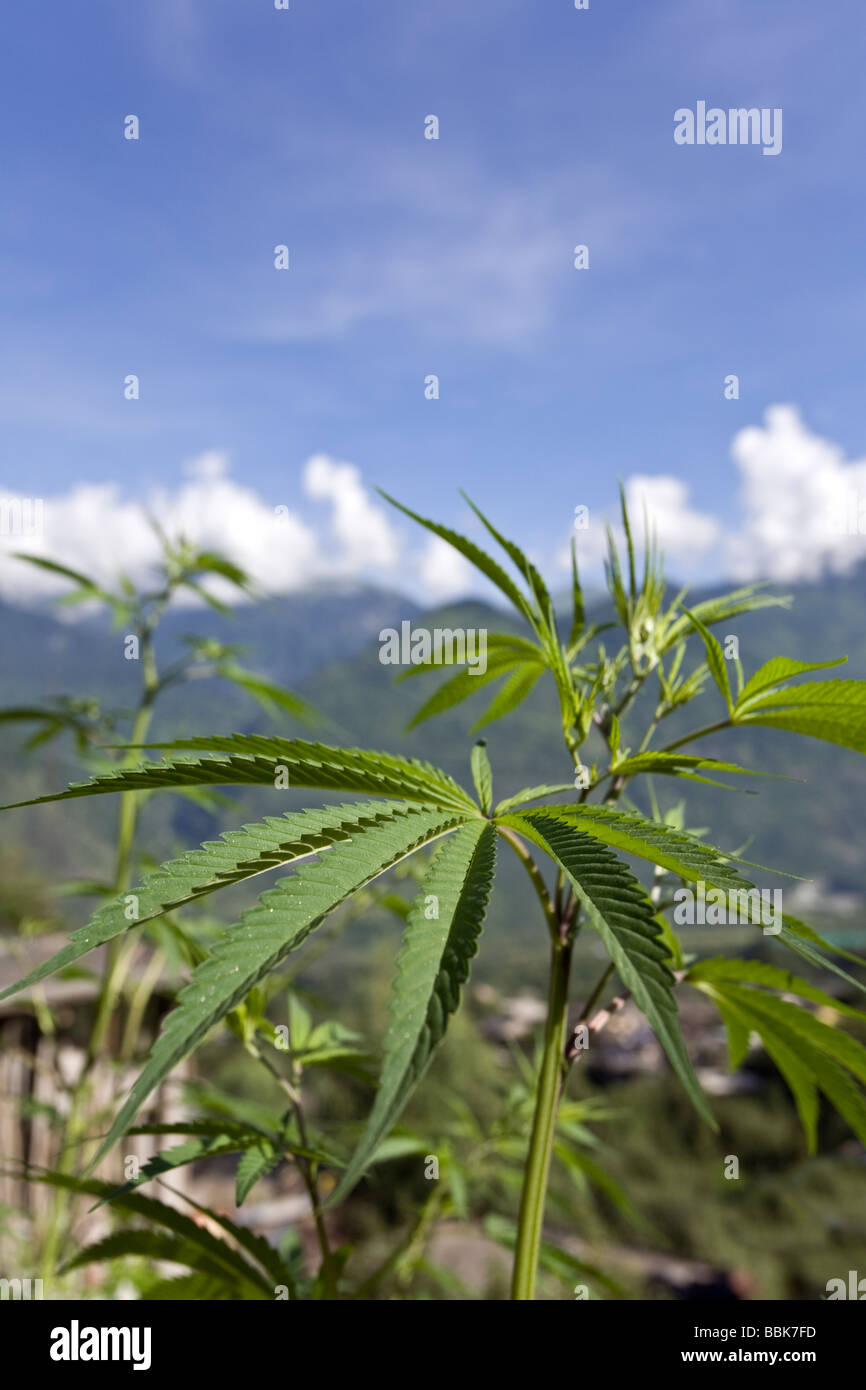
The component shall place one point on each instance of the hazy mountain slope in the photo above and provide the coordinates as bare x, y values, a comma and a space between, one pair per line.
327, 645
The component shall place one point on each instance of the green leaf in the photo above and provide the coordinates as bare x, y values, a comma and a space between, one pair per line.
159, 1245
757, 972
715, 658
504, 649
473, 553
431, 969
17, 713
64, 571
838, 1045
203, 1128
269, 695
683, 854
543, 622
671, 940
183, 1154
209, 562
255, 1245
578, 610
803, 947
737, 1028
254, 1165
398, 1146
267, 933
618, 909
236, 856
527, 569
777, 670
216, 1145
716, 610
808, 934
457, 689
682, 765
740, 1024
482, 776
511, 694
800, 1081
834, 711
799, 1045
629, 543
254, 760
531, 794
159, 1213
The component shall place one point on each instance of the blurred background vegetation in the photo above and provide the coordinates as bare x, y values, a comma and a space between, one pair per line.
651, 1215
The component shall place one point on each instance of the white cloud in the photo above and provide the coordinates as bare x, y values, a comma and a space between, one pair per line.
361, 530
682, 531
803, 503
802, 510
802, 513
96, 530
444, 573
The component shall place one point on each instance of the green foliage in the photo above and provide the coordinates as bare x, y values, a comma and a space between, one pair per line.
618, 909
256, 760
266, 934
440, 938
238, 855
830, 710
248, 1268
482, 776
338, 852
811, 1055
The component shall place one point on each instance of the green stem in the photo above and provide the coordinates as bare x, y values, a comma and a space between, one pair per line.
697, 733
138, 1002
550, 1085
117, 962
596, 993
307, 1168
118, 959
536, 880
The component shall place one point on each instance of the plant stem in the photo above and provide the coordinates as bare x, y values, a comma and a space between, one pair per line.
596, 993
697, 733
118, 959
117, 962
306, 1167
550, 1084
536, 880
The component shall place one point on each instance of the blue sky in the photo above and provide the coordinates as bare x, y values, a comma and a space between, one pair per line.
454, 257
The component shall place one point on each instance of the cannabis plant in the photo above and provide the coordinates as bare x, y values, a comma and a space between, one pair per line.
182, 569
571, 848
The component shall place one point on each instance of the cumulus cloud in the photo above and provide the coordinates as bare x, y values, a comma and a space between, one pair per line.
683, 532
96, 530
801, 512
681, 529
800, 509
360, 529
444, 573
804, 504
